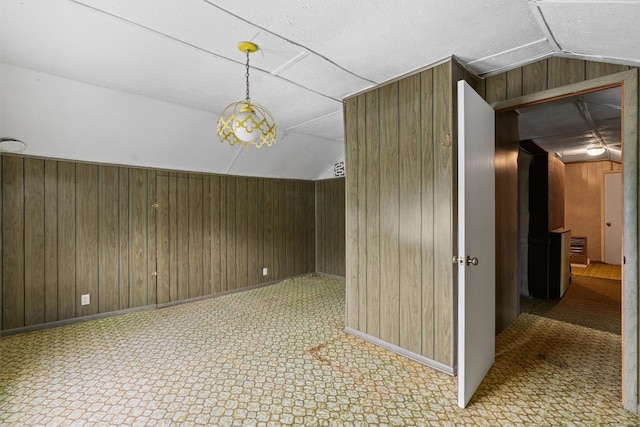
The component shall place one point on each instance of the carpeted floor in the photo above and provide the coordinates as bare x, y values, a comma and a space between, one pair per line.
278, 356
598, 269
589, 301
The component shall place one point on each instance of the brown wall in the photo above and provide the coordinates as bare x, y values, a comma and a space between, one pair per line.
583, 202
72, 228
400, 151
330, 223
556, 193
506, 225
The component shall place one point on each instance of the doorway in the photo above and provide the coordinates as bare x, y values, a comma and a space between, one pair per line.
627, 81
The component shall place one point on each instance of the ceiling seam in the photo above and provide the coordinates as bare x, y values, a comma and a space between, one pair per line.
289, 41
542, 23
160, 33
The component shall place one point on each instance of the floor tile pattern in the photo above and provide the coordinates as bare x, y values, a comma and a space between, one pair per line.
589, 301
278, 356
598, 269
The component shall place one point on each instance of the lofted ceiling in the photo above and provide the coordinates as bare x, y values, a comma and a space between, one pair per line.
141, 82
568, 127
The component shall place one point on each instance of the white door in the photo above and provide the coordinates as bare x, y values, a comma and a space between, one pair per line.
476, 241
613, 218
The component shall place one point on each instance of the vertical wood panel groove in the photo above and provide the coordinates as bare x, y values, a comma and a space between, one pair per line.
66, 240
34, 242
13, 309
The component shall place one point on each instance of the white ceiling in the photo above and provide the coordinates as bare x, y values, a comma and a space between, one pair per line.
568, 126
141, 82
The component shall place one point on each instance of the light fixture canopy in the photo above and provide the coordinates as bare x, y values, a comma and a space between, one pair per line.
245, 122
596, 151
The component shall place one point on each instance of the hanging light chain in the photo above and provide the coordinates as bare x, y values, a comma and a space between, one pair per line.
247, 75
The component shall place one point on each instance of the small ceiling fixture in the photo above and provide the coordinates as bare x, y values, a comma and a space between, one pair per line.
246, 122
596, 151
10, 145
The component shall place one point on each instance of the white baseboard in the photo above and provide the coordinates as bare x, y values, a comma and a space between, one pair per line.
402, 352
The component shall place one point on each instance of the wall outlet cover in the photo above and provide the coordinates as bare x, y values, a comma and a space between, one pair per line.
264, 271
85, 299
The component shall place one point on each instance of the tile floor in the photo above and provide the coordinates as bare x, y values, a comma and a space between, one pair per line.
278, 356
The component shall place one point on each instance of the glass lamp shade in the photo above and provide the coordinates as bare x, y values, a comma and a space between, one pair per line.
246, 123
595, 151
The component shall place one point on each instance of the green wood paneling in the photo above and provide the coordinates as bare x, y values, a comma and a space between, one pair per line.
564, 71
138, 246
410, 268
427, 244
107, 239
34, 256
400, 212
86, 271
51, 240
359, 199
70, 229
389, 211
444, 238
163, 243
123, 238
66, 240
369, 243
13, 309
231, 229
331, 228
195, 237
215, 202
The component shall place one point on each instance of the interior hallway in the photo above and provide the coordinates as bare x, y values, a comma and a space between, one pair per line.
278, 356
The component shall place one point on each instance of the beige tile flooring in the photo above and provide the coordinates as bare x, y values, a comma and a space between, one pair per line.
278, 356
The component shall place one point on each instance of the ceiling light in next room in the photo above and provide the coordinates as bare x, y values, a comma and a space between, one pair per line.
596, 151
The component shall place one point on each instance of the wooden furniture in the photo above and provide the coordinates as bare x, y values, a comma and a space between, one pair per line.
579, 250
546, 217
559, 264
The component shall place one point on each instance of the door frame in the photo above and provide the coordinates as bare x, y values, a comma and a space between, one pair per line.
628, 81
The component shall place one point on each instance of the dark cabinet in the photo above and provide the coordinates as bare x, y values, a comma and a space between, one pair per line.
548, 243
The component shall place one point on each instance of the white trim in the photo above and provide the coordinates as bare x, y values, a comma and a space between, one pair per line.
402, 352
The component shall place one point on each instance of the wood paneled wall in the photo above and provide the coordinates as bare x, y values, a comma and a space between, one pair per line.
506, 225
583, 202
556, 192
400, 192
330, 223
72, 228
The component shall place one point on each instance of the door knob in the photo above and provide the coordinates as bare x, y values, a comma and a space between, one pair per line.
472, 261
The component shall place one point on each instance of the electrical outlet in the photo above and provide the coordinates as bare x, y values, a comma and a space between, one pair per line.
85, 299
264, 271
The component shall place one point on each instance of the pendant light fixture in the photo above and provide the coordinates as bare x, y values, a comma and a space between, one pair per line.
246, 122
